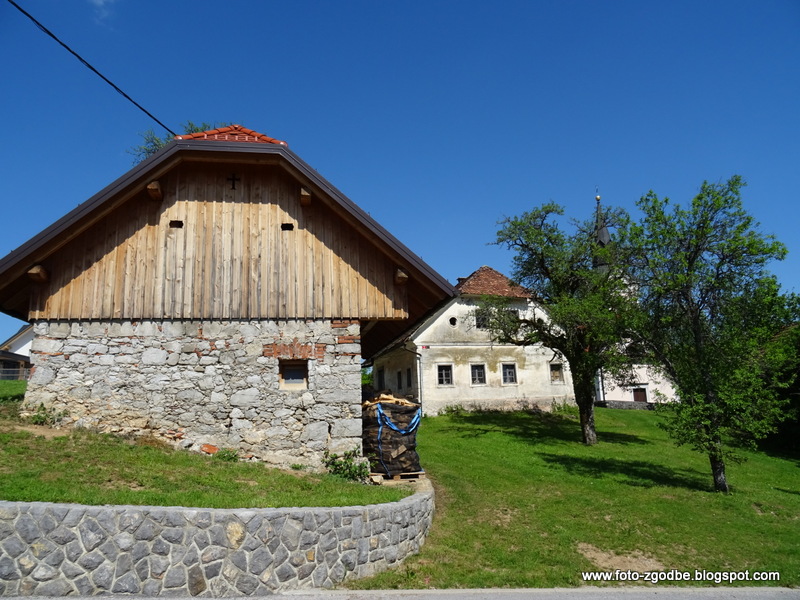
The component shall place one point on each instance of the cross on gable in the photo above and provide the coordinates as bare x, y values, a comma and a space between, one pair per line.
233, 179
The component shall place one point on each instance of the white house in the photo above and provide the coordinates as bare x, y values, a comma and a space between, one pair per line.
450, 359
647, 387
15, 354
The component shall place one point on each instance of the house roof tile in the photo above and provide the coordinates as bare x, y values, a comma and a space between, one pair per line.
231, 133
487, 281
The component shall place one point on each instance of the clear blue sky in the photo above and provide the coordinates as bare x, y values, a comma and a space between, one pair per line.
437, 117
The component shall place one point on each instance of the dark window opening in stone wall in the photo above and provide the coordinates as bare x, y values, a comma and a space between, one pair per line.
293, 374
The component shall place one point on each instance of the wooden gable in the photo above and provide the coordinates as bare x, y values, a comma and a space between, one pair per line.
208, 250
220, 230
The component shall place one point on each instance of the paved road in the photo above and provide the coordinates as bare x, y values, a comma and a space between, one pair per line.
583, 593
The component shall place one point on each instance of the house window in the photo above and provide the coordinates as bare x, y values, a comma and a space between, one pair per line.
399, 380
381, 379
640, 394
408, 378
293, 374
478, 373
445, 374
481, 320
556, 373
509, 373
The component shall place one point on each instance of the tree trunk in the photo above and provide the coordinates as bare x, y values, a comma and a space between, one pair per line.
587, 424
584, 398
715, 455
718, 472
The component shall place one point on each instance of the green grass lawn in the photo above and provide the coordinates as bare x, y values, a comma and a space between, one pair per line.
89, 468
11, 390
521, 503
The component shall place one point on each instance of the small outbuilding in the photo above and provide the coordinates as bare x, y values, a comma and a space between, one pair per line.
220, 294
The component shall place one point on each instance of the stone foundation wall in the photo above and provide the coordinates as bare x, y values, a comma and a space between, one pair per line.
205, 384
431, 408
626, 405
68, 549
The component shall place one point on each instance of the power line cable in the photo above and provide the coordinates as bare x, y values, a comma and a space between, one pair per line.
90, 67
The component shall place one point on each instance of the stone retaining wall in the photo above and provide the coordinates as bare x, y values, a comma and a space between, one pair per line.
60, 549
626, 405
217, 384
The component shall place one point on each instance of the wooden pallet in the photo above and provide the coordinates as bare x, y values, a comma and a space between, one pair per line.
401, 476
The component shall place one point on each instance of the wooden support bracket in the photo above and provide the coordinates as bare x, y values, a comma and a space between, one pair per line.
154, 190
38, 274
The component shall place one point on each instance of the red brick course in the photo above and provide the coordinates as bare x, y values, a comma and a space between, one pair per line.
342, 324
295, 350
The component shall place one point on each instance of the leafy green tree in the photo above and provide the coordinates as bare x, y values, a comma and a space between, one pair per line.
152, 142
710, 313
366, 376
576, 279
785, 379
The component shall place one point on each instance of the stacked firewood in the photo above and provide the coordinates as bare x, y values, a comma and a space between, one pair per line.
390, 435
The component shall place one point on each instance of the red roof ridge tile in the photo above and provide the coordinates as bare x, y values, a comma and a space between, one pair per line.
232, 133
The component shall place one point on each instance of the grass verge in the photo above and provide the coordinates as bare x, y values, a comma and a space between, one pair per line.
90, 468
11, 390
521, 503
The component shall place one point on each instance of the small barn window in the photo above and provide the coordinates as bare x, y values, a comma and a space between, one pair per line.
287, 226
176, 224
399, 380
408, 378
556, 373
293, 374
453, 321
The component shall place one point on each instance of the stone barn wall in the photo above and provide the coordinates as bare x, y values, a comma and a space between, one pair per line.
205, 383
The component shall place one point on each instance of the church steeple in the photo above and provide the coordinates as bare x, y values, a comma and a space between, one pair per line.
601, 235
600, 230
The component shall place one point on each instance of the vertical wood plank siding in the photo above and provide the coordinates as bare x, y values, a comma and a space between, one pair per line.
231, 258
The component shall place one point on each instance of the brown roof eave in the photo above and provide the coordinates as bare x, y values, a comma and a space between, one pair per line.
130, 183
